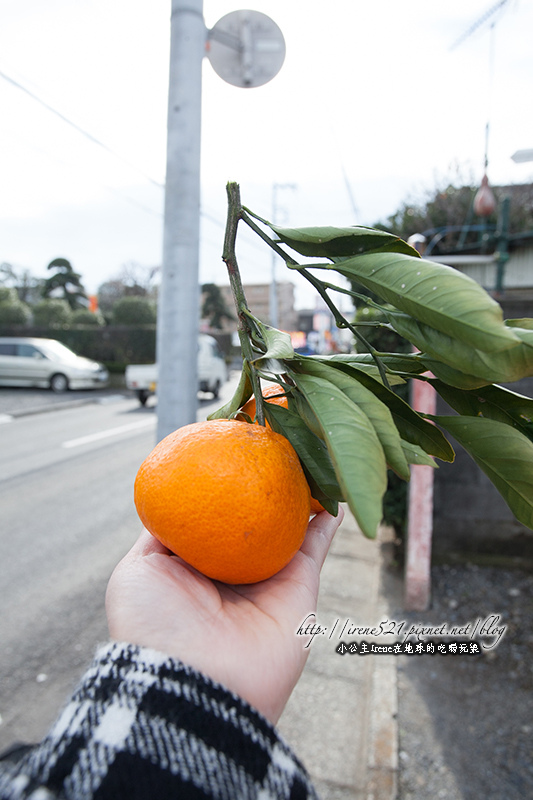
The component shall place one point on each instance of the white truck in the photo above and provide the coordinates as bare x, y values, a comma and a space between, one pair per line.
212, 371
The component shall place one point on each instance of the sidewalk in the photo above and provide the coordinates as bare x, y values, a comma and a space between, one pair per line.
341, 718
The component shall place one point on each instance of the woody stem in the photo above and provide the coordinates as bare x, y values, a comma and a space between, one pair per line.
230, 259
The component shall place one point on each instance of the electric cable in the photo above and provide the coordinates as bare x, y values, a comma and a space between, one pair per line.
79, 129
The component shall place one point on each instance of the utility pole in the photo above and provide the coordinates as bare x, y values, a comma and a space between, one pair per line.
273, 293
178, 312
246, 49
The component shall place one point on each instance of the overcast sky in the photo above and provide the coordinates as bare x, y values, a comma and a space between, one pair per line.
373, 106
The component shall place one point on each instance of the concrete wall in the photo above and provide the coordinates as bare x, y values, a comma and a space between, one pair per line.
518, 272
469, 514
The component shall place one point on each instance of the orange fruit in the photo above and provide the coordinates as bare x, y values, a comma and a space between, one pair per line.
228, 497
316, 507
272, 389
250, 409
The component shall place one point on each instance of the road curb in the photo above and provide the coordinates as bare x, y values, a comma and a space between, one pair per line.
382, 770
28, 412
354, 695
383, 736
43, 409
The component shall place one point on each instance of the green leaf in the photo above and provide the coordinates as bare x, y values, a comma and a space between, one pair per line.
415, 455
452, 376
365, 362
299, 405
524, 322
502, 367
493, 402
409, 363
278, 343
524, 332
354, 448
515, 405
312, 453
376, 411
440, 296
411, 426
243, 392
504, 455
330, 242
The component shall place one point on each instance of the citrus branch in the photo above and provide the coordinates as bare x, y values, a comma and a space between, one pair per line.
237, 212
342, 322
320, 286
230, 259
245, 216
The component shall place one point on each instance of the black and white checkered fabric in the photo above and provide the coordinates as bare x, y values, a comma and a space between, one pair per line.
143, 725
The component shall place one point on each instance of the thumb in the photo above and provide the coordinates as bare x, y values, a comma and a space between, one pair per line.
319, 537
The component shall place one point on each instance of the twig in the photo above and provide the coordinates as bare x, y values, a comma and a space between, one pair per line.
239, 298
342, 322
266, 238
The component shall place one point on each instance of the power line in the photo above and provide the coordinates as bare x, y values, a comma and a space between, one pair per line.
101, 144
78, 128
250, 242
108, 149
211, 218
54, 159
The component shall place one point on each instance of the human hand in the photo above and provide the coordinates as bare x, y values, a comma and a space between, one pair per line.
242, 636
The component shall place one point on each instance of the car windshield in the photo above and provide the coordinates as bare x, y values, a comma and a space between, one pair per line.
56, 350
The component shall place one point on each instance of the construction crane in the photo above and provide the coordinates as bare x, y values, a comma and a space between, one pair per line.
488, 15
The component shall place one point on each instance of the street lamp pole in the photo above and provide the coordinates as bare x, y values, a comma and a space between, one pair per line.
178, 312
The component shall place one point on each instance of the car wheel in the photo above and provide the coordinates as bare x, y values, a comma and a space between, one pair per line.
59, 382
143, 396
216, 390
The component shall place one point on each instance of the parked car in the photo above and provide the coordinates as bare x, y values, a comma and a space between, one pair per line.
46, 363
212, 371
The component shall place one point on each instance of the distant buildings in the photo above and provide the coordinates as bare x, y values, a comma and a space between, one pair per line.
312, 328
258, 298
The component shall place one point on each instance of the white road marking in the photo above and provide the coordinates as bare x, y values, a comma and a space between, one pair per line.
5, 418
95, 437
110, 398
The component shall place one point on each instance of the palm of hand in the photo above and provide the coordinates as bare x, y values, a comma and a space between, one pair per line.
241, 636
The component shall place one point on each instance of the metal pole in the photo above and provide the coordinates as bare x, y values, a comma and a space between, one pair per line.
178, 311
502, 243
273, 294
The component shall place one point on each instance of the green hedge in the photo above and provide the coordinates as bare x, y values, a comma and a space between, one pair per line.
114, 345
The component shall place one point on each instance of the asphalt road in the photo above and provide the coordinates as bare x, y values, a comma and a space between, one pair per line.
67, 517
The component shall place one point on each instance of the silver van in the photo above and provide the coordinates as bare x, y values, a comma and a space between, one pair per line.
46, 363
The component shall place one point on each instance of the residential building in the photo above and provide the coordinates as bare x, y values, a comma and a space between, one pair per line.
258, 299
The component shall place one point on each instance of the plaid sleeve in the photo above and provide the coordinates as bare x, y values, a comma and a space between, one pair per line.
143, 725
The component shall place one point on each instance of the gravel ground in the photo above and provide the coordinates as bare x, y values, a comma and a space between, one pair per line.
466, 722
